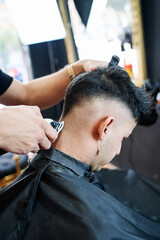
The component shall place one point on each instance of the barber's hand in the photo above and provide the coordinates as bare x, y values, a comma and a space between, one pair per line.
88, 65
23, 130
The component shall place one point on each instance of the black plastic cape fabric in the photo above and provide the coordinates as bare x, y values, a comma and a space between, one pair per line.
57, 197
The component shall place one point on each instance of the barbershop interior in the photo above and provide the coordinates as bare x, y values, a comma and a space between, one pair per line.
43, 37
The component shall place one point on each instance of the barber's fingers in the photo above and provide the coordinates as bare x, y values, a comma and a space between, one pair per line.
35, 109
48, 135
93, 68
36, 149
50, 132
45, 143
91, 65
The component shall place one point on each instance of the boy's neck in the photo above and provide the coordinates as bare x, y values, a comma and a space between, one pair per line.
74, 147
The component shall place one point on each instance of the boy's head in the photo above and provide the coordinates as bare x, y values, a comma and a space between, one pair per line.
112, 83
101, 108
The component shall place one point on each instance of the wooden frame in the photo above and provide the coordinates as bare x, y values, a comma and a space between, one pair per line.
138, 41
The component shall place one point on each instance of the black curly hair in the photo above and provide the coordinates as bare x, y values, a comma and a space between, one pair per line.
111, 82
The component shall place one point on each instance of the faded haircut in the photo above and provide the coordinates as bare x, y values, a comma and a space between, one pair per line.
111, 83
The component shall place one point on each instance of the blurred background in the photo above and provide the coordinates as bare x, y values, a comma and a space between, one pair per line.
93, 29
39, 37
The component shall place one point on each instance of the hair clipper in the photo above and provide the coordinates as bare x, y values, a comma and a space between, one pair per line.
58, 126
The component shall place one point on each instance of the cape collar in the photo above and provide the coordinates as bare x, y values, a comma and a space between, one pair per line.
65, 160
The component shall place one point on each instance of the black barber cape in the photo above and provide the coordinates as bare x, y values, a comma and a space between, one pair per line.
57, 197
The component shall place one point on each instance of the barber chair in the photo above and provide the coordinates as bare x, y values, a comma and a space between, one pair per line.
11, 165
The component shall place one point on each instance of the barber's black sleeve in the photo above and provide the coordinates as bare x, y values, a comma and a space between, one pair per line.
5, 82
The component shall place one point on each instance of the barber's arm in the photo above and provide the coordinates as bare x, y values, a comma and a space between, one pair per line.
45, 91
23, 130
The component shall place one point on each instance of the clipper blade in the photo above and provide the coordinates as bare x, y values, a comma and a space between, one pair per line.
58, 126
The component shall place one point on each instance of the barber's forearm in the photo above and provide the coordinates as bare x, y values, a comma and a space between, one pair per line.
49, 90
45, 91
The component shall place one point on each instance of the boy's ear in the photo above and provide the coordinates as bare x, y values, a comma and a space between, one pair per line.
104, 126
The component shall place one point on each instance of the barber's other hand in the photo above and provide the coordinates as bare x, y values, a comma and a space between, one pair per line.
87, 65
23, 130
